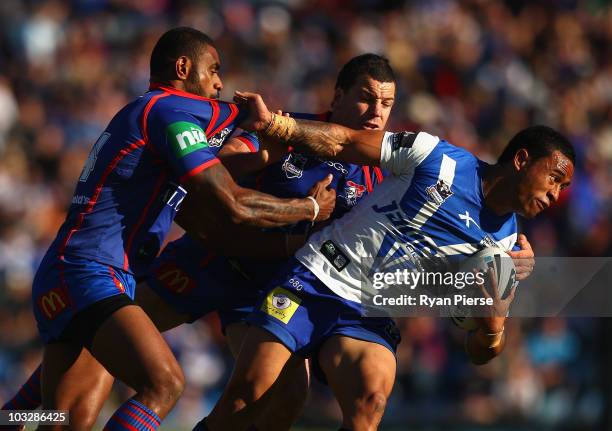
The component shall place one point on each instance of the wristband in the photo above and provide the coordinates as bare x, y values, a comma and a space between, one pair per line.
316, 207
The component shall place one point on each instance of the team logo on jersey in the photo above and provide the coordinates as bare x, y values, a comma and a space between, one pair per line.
186, 137
53, 303
439, 192
468, 219
219, 138
281, 304
293, 166
352, 192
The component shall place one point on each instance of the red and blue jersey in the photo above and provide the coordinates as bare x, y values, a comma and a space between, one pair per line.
295, 174
130, 188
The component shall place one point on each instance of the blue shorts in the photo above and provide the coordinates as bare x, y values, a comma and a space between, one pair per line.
299, 310
63, 287
196, 282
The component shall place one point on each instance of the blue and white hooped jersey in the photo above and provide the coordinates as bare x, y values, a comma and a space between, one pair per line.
430, 208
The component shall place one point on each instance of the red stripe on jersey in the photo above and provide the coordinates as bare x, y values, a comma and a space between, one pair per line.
197, 169
248, 143
177, 92
145, 115
98, 190
213, 119
160, 181
118, 283
368, 179
379, 175
228, 120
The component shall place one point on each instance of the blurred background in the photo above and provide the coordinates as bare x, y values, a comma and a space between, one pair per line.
474, 72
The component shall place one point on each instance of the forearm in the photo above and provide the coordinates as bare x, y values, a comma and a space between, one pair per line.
330, 140
481, 347
259, 209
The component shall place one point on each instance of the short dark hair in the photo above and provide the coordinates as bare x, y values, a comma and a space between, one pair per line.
173, 44
539, 141
372, 65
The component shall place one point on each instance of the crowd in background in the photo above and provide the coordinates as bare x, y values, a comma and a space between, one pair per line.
473, 71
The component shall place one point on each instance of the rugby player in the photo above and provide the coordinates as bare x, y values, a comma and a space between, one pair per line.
156, 150
363, 98
187, 281
439, 200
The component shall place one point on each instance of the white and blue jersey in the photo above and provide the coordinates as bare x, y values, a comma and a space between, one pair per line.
429, 211
431, 207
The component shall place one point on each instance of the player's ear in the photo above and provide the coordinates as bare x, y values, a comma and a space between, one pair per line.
521, 159
183, 66
338, 95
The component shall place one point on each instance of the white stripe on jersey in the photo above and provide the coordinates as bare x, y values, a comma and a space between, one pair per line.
505, 244
361, 231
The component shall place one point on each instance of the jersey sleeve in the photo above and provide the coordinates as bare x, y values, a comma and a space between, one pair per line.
181, 140
250, 140
402, 152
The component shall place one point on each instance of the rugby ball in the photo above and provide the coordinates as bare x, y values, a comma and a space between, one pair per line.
503, 267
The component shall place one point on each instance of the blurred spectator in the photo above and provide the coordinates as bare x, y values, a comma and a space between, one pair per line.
473, 71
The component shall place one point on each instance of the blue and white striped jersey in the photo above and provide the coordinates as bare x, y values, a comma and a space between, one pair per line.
430, 209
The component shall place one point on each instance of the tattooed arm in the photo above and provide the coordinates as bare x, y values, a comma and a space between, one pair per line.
213, 193
327, 140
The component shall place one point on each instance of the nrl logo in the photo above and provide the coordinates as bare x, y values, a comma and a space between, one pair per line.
217, 140
439, 192
293, 166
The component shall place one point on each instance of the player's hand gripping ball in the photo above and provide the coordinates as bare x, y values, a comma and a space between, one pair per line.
498, 289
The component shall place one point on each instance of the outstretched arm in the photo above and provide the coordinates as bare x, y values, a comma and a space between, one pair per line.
313, 137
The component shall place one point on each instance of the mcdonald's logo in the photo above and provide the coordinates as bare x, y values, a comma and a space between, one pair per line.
174, 279
53, 303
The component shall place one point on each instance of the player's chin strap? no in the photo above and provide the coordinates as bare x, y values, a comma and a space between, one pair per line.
316, 208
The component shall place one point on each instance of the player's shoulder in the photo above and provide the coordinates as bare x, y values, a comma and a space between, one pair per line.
441, 148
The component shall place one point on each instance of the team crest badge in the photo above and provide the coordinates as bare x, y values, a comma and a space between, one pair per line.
293, 166
439, 192
352, 192
219, 138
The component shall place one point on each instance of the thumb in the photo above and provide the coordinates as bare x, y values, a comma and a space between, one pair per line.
328, 179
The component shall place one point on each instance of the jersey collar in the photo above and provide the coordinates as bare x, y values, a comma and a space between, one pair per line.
169, 89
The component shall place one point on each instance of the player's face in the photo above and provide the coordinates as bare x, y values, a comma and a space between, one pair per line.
366, 105
203, 78
542, 181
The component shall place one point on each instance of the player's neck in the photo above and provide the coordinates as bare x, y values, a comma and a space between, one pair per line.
496, 189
